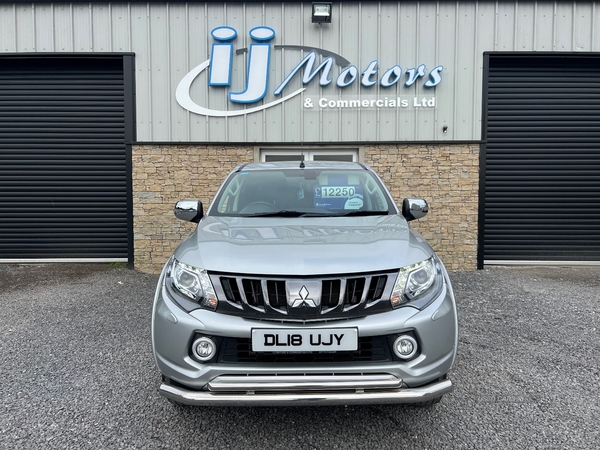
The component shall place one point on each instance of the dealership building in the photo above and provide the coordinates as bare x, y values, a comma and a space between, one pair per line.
110, 112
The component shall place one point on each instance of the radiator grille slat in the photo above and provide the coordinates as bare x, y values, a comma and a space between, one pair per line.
330, 295
354, 291
277, 296
254, 293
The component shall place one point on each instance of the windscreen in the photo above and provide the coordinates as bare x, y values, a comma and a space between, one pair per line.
302, 192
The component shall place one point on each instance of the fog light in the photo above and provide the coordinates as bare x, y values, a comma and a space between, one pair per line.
204, 349
405, 347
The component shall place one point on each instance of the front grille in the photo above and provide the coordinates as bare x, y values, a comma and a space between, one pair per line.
288, 298
370, 349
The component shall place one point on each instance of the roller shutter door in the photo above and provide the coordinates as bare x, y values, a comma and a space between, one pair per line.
63, 163
542, 159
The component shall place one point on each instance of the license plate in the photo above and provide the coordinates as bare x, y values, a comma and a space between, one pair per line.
304, 340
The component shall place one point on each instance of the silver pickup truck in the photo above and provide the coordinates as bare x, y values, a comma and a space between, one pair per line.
303, 284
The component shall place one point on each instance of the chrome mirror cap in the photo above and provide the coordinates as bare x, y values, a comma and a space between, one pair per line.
189, 210
414, 208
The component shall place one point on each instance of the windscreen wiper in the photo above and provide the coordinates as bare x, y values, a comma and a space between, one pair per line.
286, 213
292, 213
359, 212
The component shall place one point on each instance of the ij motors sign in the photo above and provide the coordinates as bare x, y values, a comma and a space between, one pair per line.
220, 65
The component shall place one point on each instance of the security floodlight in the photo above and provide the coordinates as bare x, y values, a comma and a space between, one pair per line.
321, 13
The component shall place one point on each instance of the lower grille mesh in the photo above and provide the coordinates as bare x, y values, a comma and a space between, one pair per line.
370, 349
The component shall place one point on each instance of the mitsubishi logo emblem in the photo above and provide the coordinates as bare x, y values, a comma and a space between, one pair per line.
303, 300
303, 296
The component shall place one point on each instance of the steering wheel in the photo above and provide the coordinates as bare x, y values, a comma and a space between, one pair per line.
257, 207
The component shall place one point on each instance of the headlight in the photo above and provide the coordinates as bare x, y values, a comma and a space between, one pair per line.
418, 284
194, 283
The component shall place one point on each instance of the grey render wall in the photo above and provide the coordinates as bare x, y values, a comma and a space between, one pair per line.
169, 39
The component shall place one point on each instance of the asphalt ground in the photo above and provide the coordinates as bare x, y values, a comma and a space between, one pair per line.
76, 371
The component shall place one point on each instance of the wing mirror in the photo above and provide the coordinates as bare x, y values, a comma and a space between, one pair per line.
189, 210
414, 208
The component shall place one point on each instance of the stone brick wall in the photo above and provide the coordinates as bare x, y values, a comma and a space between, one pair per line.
163, 175
445, 175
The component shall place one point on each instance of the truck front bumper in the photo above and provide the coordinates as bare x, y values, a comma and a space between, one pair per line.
189, 381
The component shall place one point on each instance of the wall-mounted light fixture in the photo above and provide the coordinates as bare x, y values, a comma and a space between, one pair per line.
445, 129
321, 12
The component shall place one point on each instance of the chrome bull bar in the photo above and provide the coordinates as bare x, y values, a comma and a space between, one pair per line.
305, 390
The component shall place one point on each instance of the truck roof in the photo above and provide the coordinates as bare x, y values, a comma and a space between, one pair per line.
307, 164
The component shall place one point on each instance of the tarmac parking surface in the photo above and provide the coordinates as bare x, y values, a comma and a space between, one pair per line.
77, 371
